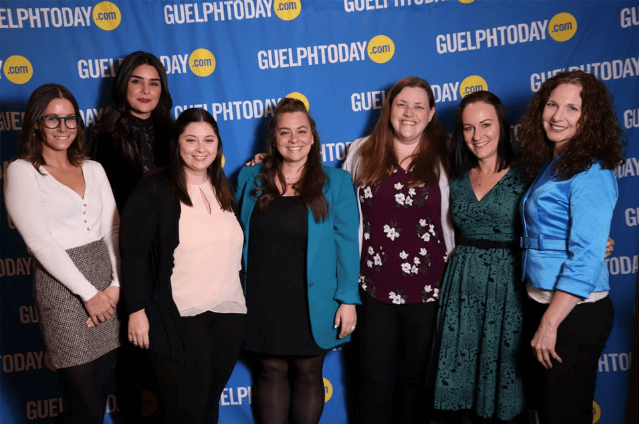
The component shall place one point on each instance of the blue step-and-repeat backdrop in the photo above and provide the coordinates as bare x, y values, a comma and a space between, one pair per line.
237, 58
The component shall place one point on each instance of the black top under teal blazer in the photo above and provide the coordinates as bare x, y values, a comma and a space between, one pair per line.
332, 261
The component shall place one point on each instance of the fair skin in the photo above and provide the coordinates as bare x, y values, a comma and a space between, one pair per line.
481, 133
560, 121
54, 151
143, 91
293, 140
561, 115
410, 114
198, 149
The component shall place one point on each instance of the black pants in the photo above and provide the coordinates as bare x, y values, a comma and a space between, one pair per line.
191, 392
84, 390
564, 393
392, 343
134, 376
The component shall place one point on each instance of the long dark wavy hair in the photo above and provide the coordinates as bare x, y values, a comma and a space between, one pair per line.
175, 170
463, 160
33, 136
116, 118
377, 155
311, 182
599, 137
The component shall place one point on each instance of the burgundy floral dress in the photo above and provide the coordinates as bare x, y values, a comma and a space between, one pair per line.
403, 251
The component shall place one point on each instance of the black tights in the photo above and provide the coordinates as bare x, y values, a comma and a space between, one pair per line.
84, 389
289, 384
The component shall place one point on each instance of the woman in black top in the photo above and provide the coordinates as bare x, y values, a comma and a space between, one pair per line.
132, 136
130, 139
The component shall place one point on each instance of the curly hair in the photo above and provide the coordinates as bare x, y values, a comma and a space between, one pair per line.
116, 118
599, 137
463, 159
377, 155
33, 136
175, 170
312, 180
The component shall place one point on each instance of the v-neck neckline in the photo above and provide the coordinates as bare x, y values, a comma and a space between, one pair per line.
489, 191
81, 196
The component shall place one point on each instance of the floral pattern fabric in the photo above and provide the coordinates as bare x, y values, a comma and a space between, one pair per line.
403, 252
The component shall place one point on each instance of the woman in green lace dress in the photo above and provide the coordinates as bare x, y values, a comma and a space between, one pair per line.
480, 316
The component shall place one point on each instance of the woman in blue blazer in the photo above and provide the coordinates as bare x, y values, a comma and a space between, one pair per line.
302, 266
570, 140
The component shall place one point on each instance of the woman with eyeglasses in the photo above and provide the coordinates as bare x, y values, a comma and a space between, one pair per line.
64, 209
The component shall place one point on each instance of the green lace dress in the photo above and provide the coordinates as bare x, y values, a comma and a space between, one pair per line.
480, 315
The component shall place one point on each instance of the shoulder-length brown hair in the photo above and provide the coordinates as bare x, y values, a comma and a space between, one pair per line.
598, 137
311, 181
32, 136
177, 178
463, 160
377, 155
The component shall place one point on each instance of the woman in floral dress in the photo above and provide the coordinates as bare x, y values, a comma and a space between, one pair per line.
401, 174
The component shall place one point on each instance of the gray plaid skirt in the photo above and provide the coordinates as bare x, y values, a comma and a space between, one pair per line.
63, 317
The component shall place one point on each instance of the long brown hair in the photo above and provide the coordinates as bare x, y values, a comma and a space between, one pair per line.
215, 172
311, 181
116, 119
33, 136
377, 156
598, 137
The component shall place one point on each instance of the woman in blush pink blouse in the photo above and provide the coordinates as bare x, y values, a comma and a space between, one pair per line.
401, 171
64, 209
181, 248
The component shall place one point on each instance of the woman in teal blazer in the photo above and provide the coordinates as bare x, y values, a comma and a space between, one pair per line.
301, 257
570, 139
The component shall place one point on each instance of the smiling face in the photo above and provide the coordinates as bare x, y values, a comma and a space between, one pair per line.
481, 130
293, 137
143, 91
561, 114
410, 114
198, 149
58, 139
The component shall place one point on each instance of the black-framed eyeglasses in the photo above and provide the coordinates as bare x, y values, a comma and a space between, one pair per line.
52, 121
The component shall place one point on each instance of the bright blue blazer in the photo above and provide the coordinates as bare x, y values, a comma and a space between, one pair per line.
566, 227
332, 262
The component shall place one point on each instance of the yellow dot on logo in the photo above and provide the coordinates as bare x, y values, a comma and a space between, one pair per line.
47, 361
471, 84
381, 49
287, 10
18, 69
596, 412
107, 16
202, 62
328, 390
466, 1
562, 27
149, 403
223, 161
300, 97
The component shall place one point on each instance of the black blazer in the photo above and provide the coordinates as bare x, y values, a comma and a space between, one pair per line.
149, 235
